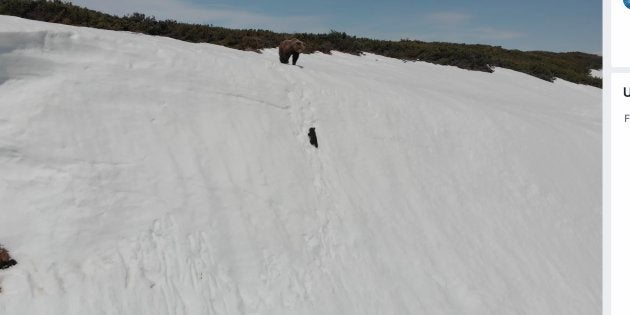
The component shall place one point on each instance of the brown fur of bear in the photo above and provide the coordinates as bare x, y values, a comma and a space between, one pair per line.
5, 259
290, 48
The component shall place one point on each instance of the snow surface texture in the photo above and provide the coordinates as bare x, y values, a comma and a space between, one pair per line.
143, 174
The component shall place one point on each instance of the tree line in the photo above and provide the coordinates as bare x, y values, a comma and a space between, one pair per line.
571, 66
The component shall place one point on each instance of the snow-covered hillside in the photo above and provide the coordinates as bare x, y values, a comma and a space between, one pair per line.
145, 175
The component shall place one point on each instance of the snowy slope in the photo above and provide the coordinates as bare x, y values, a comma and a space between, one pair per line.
142, 174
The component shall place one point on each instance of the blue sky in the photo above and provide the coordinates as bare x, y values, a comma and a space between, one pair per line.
553, 25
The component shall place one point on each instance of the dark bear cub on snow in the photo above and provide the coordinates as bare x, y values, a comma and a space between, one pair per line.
312, 137
290, 47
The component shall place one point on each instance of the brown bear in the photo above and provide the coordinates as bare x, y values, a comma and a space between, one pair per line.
5, 259
290, 47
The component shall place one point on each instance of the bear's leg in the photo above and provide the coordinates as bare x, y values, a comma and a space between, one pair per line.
284, 59
295, 57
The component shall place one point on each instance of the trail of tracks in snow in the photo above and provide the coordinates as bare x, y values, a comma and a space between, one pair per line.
323, 245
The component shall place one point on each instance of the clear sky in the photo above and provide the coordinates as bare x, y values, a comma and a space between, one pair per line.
553, 25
